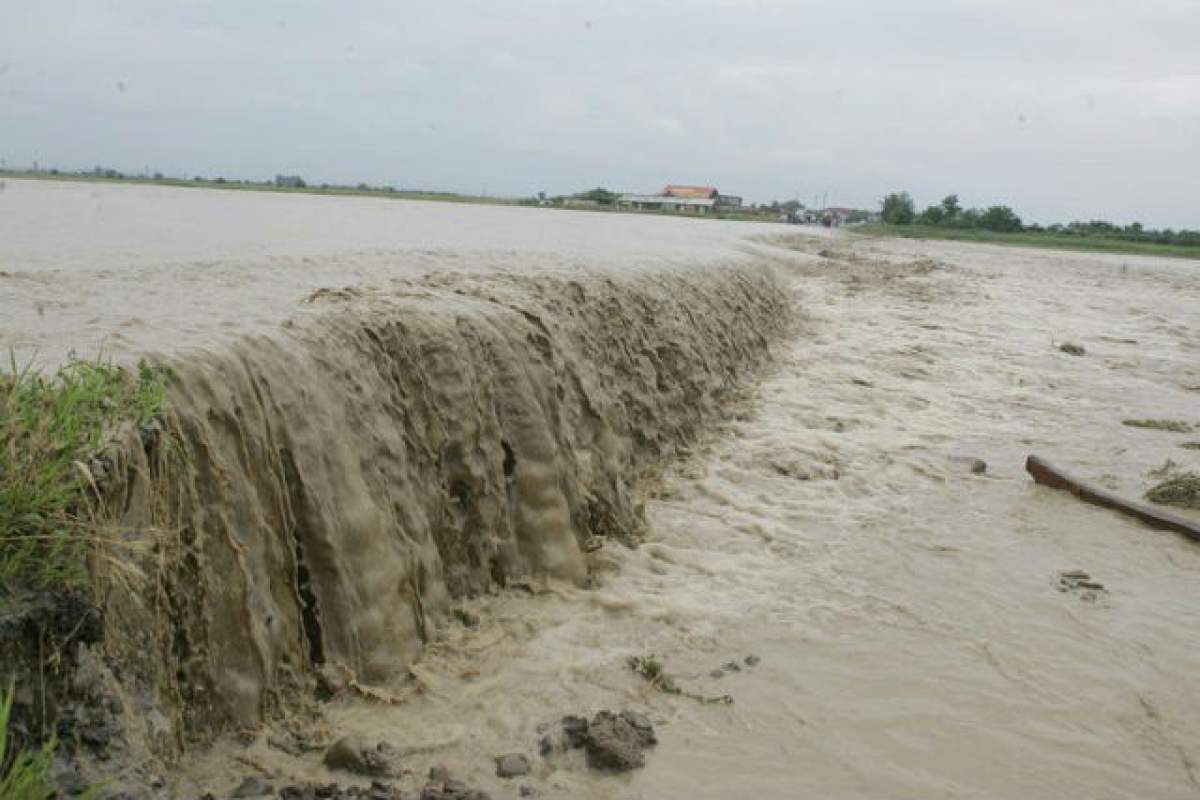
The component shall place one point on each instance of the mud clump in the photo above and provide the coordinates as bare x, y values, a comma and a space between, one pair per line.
354, 754
435, 790
252, 787
612, 742
617, 742
512, 765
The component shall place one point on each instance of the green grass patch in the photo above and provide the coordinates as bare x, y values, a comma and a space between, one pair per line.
50, 427
1181, 490
1051, 241
1190, 445
1171, 425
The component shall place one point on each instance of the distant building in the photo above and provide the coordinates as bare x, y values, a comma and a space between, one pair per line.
290, 181
684, 199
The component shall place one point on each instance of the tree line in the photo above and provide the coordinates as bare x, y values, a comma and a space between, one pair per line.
898, 208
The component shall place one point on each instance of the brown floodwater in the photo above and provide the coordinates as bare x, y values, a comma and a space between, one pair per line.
914, 638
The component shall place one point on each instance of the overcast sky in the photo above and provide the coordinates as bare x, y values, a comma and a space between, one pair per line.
1062, 108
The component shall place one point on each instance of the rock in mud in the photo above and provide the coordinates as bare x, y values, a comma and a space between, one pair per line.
613, 742
331, 791
616, 743
252, 787
353, 754
512, 765
469, 619
575, 729
450, 790
976, 466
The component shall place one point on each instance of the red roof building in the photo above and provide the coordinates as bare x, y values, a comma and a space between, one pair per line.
694, 192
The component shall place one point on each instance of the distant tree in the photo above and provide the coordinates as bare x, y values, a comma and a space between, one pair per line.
1001, 219
600, 195
950, 206
791, 206
898, 208
933, 215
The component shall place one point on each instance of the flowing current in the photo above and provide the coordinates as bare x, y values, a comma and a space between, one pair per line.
905, 613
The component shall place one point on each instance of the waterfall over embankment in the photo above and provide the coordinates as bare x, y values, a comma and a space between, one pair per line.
339, 484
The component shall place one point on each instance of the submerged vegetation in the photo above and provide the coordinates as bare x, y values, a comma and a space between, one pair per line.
1182, 490
654, 671
52, 427
1170, 425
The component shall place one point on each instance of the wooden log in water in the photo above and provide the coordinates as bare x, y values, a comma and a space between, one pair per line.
1047, 474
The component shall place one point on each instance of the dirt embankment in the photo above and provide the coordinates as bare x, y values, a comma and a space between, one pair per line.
339, 486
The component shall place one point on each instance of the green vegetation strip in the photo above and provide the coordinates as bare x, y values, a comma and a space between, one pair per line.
1182, 490
50, 427
1171, 425
1041, 239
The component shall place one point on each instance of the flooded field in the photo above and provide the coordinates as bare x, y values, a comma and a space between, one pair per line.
853, 555
123, 269
915, 638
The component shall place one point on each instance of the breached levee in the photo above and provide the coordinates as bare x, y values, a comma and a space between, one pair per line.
342, 482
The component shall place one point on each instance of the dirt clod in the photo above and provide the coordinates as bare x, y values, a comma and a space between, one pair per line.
353, 754
617, 743
512, 765
252, 786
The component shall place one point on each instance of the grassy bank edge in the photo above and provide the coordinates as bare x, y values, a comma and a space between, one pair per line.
53, 428
1044, 241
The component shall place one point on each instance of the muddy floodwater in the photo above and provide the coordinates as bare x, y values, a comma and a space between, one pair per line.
122, 269
889, 617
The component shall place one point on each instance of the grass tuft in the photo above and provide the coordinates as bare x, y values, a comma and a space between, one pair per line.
1181, 490
51, 427
1172, 425
1070, 348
